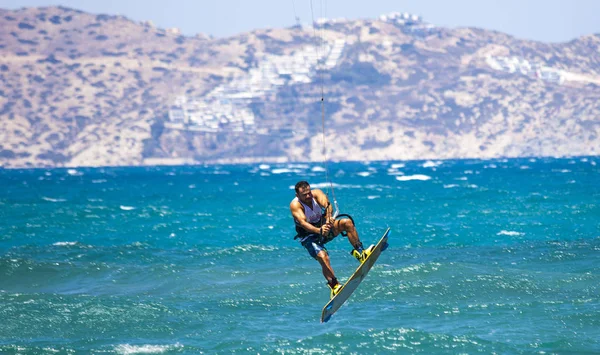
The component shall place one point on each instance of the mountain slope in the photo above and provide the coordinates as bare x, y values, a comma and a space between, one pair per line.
94, 90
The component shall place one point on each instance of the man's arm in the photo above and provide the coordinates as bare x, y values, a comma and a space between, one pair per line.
323, 201
298, 214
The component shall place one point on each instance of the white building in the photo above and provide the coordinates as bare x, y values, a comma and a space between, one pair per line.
523, 66
226, 106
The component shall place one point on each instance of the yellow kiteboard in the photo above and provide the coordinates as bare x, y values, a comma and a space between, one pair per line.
336, 302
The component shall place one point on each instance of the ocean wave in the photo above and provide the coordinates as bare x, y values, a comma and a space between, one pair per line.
62, 244
137, 245
285, 171
416, 268
450, 186
75, 245
326, 185
297, 166
509, 233
126, 208
245, 248
50, 199
432, 164
323, 185
127, 349
419, 177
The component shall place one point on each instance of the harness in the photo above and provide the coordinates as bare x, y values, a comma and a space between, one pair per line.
321, 239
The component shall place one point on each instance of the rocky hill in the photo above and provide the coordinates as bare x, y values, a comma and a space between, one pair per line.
80, 89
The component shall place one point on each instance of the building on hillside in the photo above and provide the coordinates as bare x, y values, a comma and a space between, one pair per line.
227, 107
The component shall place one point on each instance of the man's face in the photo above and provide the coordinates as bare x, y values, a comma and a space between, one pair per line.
304, 194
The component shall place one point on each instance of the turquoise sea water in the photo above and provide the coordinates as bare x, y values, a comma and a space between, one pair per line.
497, 256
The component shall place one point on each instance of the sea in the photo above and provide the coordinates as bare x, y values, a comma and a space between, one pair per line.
486, 257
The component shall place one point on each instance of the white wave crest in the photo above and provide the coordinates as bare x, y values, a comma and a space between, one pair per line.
431, 164
297, 166
127, 349
61, 244
413, 177
127, 208
246, 248
509, 233
285, 171
325, 186
50, 199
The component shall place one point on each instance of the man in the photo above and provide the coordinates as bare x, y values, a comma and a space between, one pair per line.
315, 226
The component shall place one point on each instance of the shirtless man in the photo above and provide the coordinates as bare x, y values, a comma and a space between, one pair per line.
315, 226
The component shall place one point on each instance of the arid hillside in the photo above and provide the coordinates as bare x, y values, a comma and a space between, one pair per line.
81, 89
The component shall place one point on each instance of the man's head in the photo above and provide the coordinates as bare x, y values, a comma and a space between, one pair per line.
303, 191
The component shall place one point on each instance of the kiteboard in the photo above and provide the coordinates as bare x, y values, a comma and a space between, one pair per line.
348, 288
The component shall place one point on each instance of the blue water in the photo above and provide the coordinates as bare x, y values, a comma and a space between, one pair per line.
498, 256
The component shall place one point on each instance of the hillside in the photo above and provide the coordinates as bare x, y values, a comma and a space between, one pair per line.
94, 90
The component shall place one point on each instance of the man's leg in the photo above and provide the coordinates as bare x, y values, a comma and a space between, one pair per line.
346, 225
332, 282
323, 259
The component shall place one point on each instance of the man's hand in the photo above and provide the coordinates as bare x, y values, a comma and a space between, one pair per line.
325, 229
